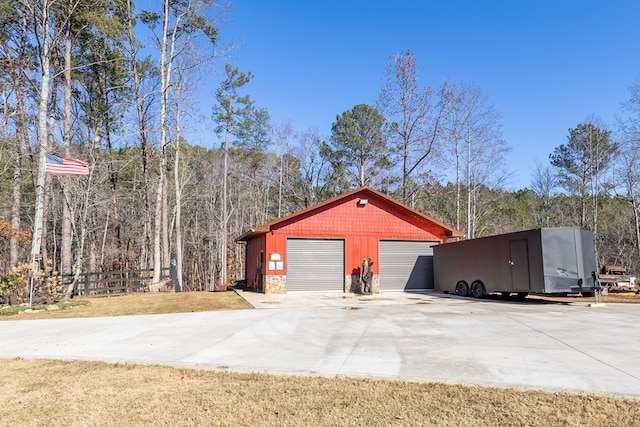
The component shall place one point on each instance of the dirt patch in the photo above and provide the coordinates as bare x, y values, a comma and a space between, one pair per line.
613, 297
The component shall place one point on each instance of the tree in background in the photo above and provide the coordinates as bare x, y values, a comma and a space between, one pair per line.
180, 23
281, 136
543, 184
236, 117
42, 13
141, 73
96, 93
414, 118
359, 144
471, 134
580, 165
629, 176
17, 65
316, 180
115, 123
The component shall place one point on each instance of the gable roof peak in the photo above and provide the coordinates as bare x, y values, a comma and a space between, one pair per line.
265, 228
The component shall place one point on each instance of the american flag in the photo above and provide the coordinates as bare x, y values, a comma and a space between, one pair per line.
55, 165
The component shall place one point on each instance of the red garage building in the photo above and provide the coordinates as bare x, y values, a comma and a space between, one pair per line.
321, 248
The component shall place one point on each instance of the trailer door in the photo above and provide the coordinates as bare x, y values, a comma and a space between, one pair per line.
519, 262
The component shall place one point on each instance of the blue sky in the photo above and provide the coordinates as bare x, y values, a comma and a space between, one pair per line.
545, 65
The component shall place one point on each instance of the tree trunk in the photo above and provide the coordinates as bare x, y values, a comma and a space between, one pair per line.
157, 250
145, 244
160, 196
44, 54
81, 245
65, 254
166, 257
223, 219
178, 188
405, 168
15, 206
22, 140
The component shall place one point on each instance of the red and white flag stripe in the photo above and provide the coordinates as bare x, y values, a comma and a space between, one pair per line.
68, 166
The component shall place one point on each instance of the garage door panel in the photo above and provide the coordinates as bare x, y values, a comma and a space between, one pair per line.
406, 265
315, 265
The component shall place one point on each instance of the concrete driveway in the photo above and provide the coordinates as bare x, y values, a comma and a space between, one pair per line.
427, 337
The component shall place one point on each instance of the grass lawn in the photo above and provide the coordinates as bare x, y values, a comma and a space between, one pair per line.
73, 393
131, 304
69, 393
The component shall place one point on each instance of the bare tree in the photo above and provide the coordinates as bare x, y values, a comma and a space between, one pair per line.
141, 108
179, 20
42, 14
14, 49
236, 117
281, 136
184, 88
314, 182
471, 130
66, 254
454, 123
630, 179
629, 130
413, 115
543, 184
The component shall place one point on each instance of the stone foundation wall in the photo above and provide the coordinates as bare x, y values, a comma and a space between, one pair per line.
375, 284
278, 284
274, 284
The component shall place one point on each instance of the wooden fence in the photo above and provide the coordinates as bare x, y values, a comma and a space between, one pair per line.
103, 283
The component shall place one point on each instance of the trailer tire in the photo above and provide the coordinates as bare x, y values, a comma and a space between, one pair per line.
478, 290
462, 289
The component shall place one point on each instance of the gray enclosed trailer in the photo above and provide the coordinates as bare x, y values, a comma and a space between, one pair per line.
544, 260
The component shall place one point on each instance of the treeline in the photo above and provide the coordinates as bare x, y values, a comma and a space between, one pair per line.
78, 83
264, 186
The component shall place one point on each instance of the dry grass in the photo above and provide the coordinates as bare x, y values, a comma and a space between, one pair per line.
143, 303
45, 393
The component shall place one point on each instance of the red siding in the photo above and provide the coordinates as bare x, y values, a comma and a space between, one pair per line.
253, 267
362, 226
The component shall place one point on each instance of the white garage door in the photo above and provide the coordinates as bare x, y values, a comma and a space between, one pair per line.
315, 265
406, 265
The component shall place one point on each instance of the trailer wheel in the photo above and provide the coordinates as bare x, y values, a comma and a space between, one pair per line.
478, 290
462, 289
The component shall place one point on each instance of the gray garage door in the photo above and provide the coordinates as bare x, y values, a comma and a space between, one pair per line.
406, 265
315, 265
